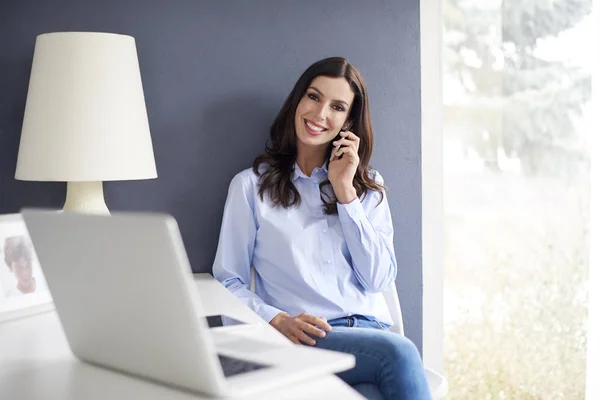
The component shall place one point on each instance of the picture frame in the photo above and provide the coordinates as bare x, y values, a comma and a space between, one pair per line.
23, 287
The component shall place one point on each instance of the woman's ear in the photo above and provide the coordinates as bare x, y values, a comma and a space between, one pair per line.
347, 126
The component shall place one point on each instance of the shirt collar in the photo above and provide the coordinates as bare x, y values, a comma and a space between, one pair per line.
298, 172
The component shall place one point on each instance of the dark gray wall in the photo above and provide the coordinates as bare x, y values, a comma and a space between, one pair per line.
215, 74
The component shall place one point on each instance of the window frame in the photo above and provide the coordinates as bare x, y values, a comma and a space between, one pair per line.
432, 182
593, 331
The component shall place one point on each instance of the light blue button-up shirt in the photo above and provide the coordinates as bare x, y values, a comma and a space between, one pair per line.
306, 261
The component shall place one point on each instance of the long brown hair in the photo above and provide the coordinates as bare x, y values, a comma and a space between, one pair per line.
280, 150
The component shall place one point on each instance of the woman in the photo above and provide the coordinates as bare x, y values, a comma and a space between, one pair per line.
313, 220
18, 259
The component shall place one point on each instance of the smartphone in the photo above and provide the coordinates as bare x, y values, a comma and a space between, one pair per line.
218, 321
347, 127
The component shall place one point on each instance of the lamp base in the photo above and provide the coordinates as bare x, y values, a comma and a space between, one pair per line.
85, 198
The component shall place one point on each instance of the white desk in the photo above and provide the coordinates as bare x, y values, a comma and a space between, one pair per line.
36, 362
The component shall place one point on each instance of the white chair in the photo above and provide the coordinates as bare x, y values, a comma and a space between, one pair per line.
437, 383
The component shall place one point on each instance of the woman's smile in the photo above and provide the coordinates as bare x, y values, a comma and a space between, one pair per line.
313, 129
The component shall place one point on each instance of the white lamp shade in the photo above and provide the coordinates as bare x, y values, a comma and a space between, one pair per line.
85, 116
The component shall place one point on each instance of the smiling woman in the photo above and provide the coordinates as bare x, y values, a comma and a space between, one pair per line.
313, 220
332, 96
323, 111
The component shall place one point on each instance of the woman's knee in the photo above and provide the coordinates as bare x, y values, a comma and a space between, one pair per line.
399, 349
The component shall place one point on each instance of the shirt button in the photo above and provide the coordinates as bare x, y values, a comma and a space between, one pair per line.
328, 261
324, 230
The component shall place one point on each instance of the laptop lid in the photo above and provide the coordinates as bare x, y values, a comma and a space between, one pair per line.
124, 292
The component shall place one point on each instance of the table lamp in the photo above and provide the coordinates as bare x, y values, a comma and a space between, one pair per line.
85, 117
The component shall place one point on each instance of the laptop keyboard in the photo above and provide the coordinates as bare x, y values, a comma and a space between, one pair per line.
234, 366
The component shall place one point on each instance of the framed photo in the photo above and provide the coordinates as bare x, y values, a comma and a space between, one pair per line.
23, 288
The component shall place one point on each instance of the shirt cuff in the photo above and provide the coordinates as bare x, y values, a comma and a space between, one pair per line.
267, 312
354, 210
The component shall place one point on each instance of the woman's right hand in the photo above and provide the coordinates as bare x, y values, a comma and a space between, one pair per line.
299, 327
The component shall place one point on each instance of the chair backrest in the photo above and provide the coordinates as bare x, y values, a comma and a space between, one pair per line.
391, 299
393, 303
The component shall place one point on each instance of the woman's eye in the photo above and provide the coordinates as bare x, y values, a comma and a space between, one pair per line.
313, 96
339, 108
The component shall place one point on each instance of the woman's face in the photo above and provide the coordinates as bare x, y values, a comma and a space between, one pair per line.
322, 111
22, 270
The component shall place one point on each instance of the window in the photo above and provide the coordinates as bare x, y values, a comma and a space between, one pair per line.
516, 138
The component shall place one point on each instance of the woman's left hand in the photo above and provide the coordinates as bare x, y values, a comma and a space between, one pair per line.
342, 170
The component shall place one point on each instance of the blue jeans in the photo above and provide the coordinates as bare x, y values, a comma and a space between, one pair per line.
388, 365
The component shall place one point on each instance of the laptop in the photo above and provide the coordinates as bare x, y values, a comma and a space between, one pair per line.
125, 295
